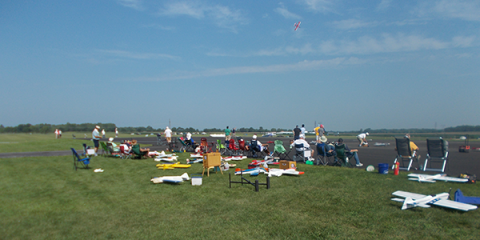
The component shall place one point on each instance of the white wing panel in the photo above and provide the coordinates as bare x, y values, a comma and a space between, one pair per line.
408, 194
455, 205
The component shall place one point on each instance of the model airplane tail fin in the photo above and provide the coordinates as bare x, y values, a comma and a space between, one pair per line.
185, 176
408, 203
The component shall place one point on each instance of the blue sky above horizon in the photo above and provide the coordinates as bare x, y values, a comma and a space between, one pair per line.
352, 64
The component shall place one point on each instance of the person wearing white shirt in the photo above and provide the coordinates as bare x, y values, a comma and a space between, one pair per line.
362, 139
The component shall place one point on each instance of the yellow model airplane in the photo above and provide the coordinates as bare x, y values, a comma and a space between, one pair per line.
172, 166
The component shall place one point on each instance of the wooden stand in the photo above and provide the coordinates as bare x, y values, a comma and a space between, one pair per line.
211, 160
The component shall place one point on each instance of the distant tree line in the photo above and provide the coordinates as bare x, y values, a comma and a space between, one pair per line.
110, 127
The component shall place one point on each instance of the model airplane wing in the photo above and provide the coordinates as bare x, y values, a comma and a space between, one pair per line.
433, 178
404, 194
452, 179
455, 205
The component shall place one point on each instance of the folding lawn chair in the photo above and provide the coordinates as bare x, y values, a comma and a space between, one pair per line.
255, 150
301, 153
279, 150
204, 145
183, 145
232, 149
77, 160
106, 152
241, 146
325, 157
220, 147
437, 152
124, 154
404, 154
342, 157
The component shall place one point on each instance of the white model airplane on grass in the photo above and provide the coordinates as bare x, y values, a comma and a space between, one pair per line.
234, 158
171, 179
279, 172
434, 178
411, 200
166, 159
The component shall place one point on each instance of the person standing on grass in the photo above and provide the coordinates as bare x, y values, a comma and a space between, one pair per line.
56, 133
116, 132
234, 130
96, 138
59, 133
103, 133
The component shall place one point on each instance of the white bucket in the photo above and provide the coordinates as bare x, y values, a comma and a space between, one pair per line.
196, 180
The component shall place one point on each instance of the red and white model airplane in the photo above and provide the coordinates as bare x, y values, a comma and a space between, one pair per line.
296, 25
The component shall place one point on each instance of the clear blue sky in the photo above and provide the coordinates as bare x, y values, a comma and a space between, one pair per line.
352, 63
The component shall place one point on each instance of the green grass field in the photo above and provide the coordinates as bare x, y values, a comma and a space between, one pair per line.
44, 198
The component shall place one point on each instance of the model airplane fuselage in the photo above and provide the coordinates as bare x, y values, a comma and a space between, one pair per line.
171, 179
411, 200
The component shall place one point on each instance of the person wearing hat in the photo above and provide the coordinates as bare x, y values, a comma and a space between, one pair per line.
115, 147
96, 138
362, 139
327, 149
319, 131
257, 146
348, 152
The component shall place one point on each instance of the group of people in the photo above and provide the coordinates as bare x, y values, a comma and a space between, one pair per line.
322, 143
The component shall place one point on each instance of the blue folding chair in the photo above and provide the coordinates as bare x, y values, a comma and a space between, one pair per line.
77, 160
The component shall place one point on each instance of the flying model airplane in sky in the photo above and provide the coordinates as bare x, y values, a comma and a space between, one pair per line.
434, 178
411, 200
297, 25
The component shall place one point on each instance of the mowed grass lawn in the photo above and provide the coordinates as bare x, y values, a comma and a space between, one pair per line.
44, 198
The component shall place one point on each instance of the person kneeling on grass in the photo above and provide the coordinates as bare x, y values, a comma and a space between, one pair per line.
139, 151
348, 152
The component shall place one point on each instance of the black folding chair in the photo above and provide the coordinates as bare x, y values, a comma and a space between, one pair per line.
437, 152
404, 154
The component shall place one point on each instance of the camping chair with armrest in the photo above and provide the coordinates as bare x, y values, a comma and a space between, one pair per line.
220, 147
106, 152
255, 150
204, 145
342, 155
300, 153
241, 146
136, 151
232, 149
404, 154
77, 160
279, 150
437, 152
325, 157
124, 154
183, 145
